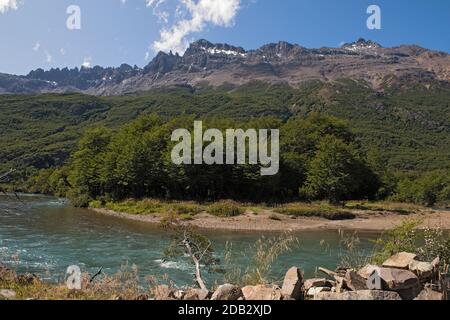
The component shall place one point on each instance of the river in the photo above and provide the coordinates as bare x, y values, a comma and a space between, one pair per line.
44, 235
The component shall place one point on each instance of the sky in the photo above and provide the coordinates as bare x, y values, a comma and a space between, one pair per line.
35, 33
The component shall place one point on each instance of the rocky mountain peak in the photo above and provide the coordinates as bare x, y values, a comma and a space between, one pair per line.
362, 43
218, 63
207, 48
162, 63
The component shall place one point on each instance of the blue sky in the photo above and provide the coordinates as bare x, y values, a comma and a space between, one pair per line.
34, 32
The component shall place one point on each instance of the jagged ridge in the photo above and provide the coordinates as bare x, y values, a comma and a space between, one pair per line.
216, 64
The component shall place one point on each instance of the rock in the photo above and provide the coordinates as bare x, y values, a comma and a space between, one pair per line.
312, 292
367, 271
397, 279
292, 284
429, 294
354, 281
247, 291
163, 292
365, 295
316, 282
404, 282
142, 297
197, 294
227, 292
400, 260
424, 270
8, 294
262, 293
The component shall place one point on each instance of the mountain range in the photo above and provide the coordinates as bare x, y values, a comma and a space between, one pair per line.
205, 63
397, 100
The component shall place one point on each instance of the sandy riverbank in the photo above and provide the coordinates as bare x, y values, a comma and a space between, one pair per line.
264, 221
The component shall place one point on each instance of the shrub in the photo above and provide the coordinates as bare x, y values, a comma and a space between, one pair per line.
435, 244
429, 189
382, 206
225, 209
274, 217
320, 211
427, 244
403, 238
78, 199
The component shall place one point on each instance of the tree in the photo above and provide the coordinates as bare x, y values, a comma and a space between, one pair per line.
87, 165
299, 142
186, 241
337, 172
427, 189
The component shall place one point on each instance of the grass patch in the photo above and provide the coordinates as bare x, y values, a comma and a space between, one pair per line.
151, 207
320, 210
385, 206
124, 285
225, 209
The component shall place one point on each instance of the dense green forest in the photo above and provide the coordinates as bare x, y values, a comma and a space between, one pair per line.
393, 138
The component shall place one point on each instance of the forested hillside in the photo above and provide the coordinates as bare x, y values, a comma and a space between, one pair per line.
409, 128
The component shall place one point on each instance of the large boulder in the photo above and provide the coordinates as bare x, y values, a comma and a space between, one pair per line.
359, 295
424, 270
397, 279
368, 270
227, 292
400, 260
354, 281
262, 293
293, 284
404, 282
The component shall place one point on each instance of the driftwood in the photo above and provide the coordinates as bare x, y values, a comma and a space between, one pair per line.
99, 272
329, 273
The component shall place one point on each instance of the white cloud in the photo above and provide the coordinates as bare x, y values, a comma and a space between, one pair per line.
191, 16
87, 62
6, 5
62, 51
36, 46
48, 57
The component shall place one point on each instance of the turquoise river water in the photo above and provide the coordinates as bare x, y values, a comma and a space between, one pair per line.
45, 235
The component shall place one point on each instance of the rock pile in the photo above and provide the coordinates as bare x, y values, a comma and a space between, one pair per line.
401, 277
